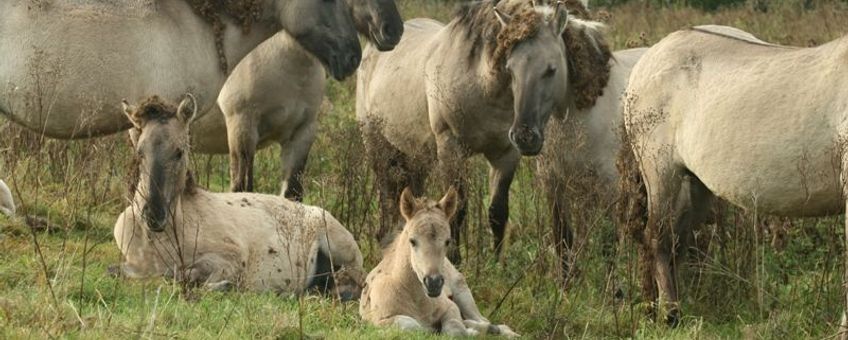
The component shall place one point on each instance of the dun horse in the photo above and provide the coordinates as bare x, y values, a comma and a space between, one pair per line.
485, 83
274, 95
259, 242
60, 78
711, 114
7, 204
415, 286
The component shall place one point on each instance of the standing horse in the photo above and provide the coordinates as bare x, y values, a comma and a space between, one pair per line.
7, 204
485, 83
579, 157
274, 95
259, 242
415, 286
61, 77
710, 114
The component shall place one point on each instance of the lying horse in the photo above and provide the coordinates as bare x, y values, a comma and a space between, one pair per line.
62, 79
415, 286
274, 95
485, 83
259, 242
7, 204
711, 114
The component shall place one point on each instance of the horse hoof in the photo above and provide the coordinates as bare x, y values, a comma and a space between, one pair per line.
114, 271
673, 318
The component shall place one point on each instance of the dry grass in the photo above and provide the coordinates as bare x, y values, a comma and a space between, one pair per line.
53, 256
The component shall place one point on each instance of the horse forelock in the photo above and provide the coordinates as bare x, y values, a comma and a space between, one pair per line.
488, 36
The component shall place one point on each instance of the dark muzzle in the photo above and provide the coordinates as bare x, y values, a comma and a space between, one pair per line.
528, 140
434, 284
155, 217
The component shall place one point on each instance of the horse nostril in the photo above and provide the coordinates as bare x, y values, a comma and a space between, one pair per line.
353, 60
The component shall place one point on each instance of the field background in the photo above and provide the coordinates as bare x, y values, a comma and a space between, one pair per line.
751, 277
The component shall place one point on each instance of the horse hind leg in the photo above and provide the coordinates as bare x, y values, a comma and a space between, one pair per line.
294, 155
243, 138
686, 204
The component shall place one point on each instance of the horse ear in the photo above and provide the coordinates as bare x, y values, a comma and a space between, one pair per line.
502, 18
449, 203
560, 20
187, 111
129, 111
407, 204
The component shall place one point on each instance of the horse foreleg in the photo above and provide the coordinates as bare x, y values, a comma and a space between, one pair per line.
294, 155
451, 155
242, 136
501, 173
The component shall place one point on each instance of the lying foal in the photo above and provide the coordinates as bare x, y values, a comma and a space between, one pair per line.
415, 286
258, 242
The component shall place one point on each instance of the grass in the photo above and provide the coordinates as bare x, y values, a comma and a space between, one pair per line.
751, 279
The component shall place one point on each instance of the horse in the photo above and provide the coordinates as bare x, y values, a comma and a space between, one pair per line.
274, 95
62, 79
579, 156
485, 83
761, 126
220, 240
7, 204
415, 287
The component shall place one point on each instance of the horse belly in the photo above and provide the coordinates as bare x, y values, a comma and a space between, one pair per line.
63, 77
761, 164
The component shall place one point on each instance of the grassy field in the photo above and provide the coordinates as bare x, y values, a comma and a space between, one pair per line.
753, 277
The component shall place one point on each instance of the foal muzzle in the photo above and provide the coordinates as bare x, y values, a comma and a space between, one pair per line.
434, 284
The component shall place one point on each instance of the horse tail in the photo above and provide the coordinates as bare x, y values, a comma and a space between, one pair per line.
632, 211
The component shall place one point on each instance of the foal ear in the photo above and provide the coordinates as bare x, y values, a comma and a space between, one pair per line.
187, 111
407, 204
129, 111
450, 202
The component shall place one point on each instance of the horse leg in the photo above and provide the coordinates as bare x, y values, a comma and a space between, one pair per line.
389, 166
501, 173
843, 324
688, 203
242, 136
294, 154
403, 322
560, 213
343, 253
451, 155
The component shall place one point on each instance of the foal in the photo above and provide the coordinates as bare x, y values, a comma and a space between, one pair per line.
259, 242
415, 286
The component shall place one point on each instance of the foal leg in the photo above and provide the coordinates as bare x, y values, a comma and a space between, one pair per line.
294, 154
242, 136
501, 173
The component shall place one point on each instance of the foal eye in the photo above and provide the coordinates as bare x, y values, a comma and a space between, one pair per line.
447, 242
413, 242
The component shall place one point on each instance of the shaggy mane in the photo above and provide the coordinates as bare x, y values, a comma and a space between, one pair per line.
481, 27
588, 55
244, 12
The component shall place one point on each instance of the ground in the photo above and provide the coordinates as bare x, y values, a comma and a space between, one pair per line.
751, 277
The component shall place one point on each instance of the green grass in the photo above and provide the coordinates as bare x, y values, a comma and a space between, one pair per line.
740, 286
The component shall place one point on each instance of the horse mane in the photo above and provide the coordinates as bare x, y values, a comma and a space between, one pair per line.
481, 27
244, 12
588, 55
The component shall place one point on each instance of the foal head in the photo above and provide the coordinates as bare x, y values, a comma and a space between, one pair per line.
161, 143
427, 233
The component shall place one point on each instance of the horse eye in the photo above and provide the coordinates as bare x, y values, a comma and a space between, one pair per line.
550, 71
179, 154
413, 242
